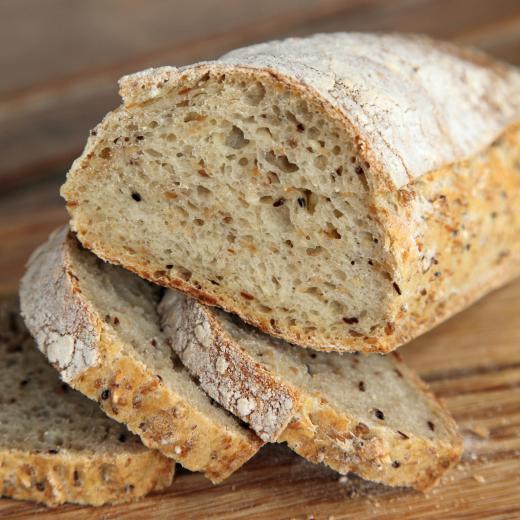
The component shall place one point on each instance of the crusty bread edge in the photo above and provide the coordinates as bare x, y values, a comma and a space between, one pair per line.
320, 434
234, 380
126, 390
82, 478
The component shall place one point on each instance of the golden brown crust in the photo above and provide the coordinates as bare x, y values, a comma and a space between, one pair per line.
128, 391
320, 434
82, 478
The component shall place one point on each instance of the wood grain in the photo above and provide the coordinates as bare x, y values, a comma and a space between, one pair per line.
60, 82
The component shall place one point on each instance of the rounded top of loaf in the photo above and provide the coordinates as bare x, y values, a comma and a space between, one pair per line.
415, 104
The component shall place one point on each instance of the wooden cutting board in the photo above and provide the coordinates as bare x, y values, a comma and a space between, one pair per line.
472, 362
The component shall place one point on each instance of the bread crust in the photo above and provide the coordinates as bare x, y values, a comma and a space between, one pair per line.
82, 478
423, 145
247, 390
361, 77
316, 430
126, 390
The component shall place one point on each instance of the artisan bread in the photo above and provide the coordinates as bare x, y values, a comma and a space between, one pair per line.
56, 445
343, 192
367, 414
98, 325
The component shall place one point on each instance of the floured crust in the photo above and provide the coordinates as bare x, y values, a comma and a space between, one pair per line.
317, 430
396, 81
231, 378
126, 389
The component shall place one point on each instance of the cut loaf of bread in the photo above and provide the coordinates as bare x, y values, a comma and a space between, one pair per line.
57, 446
98, 325
367, 414
343, 192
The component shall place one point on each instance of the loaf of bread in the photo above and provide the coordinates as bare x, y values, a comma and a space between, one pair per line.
343, 192
98, 325
56, 445
367, 414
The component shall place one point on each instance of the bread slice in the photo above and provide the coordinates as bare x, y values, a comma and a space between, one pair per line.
343, 192
56, 446
367, 414
98, 325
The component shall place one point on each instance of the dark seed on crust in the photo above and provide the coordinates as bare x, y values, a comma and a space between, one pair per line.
351, 320
122, 437
40, 486
105, 394
361, 386
301, 202
279, 202
379, 414
403, 435
431, 426
136, 196
397, 288
396, 464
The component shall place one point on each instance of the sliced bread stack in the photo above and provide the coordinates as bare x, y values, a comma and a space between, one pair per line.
100, 326
340, 193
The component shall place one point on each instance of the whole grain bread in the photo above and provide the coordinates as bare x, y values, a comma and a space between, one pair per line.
98, 325
56, 445
368, 414
343, 192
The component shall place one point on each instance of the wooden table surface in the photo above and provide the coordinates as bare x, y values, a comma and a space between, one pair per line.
60, 61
